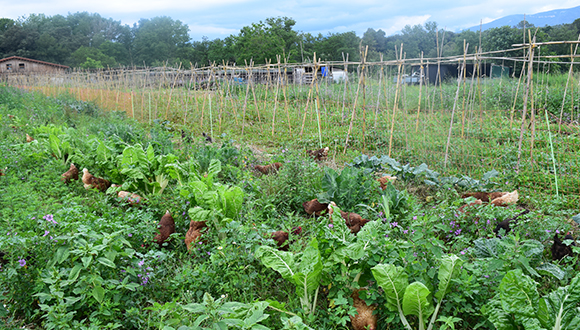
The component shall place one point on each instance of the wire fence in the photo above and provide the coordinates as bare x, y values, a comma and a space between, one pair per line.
460, 115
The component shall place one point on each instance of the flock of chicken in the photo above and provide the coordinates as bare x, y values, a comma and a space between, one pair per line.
559, 249
364, 319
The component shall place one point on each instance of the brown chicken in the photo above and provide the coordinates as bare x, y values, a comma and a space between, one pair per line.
559, 249
2, 172
166, 227
386, 179
71, 174
281, 237
194, 233
268, 169
354, 222
314, 207
364, 319
318, 155
90, 181
29, 138
483, 196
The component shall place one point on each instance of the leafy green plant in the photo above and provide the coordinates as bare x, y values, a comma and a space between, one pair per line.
347, 188
509, 253
143, 171
59, 140
81, 279
518, 305
414, 298
304, 274
220, 203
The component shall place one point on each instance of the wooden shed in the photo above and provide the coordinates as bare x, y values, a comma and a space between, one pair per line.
23, 65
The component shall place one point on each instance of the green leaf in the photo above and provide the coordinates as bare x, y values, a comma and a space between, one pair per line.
496, 315
61, 254
486, 248
281, 261
416, 300
194, 308
558, 310
393, 280
87, 261
548, 268
98, 293
576, 218
74, 273
215, 167
106, 262
449, 269
231, 201
355, 251
307, 279
518, 294
199, 214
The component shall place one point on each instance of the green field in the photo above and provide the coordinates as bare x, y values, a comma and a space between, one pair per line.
77, 258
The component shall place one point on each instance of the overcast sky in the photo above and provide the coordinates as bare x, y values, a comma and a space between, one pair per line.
220, 18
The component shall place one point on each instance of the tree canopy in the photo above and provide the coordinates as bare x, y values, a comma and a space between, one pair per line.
91, 41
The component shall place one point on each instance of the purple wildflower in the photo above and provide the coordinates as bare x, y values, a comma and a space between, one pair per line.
46, 232
22, 262
330, 225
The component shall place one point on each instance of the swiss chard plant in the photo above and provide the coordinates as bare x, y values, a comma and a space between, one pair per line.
59, 140
347, 188
303, 270
518, 305
510, 252
415, 298
213, 201
142, 170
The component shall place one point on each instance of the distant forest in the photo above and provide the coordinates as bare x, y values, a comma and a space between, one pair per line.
85, 40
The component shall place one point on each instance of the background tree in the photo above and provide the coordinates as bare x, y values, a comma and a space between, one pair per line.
159, 40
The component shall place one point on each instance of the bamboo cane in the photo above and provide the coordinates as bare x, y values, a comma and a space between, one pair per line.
353, 113
420, 90
526, 94
465, 47
396, 99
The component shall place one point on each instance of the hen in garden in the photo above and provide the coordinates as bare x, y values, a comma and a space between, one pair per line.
505, 200
559, 249
207, 137
281, 237
484, 196
318, 155
166, 227
270, 168
354, 221
386, 179
29, 138
505, 224
90, 181
2, 171
364, 319
71, 174
194, 233
314, 207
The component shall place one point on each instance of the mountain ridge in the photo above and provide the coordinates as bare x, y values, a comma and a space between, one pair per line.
551, 17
